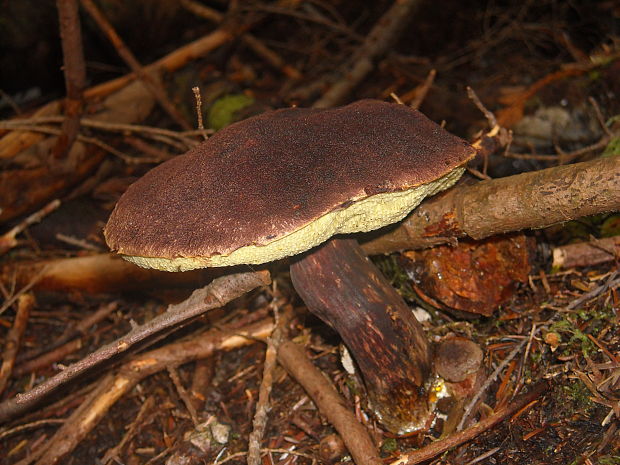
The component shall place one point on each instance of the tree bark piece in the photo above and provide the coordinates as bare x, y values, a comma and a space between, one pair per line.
341, 286
530, 200
589, 253
294, 360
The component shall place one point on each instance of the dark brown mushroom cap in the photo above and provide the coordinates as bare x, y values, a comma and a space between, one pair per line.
266, 177
456, 358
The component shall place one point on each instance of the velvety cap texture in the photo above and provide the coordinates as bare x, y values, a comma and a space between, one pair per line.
264, 178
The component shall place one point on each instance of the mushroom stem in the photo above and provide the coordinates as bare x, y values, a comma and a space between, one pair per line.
343, 288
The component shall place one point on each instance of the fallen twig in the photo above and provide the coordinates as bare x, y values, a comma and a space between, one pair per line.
145, 409
75, 76
151, 83
8, 239
438, 447
216, 294
162, 134
113, 387
73, 331
293, 358
259, 422
492, 377
250, 40
383, 34
590, 253
14, 337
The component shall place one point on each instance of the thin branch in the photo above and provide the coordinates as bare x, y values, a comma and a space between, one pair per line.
293, 358
113, 387
14, 337
216, 294
75, 75
438, 447
153, 85
529, 200
382, 35
9, 239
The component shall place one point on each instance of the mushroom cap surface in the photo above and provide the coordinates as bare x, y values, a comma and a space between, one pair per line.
282, 182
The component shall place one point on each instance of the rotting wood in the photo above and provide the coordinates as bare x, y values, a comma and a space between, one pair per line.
589, 253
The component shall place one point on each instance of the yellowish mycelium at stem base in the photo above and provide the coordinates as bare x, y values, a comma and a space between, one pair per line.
364, 215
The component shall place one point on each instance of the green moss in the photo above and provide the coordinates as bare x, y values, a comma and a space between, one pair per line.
389, 446
223, 111
579, 395
396, 275
608, 460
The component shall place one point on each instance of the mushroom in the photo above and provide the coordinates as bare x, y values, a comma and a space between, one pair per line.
284, 182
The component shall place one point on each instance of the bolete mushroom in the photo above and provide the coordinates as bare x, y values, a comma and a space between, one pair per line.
284, 182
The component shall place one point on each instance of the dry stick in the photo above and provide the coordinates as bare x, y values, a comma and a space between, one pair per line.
13, 143
145, 409
382, 35
470, 405
33, 280
259, 423
198, 98
611, 283
438, 447
147, 131
48, 358
590, 253
113, 387
90, 140
74, 331
8, 239
75, 75
251, 41
176, 380
293, 358
14, 337
530, 200
422, 91
216, 294
170, 62
154, 86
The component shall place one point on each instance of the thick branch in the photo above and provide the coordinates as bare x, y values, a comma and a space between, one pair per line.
530, 200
